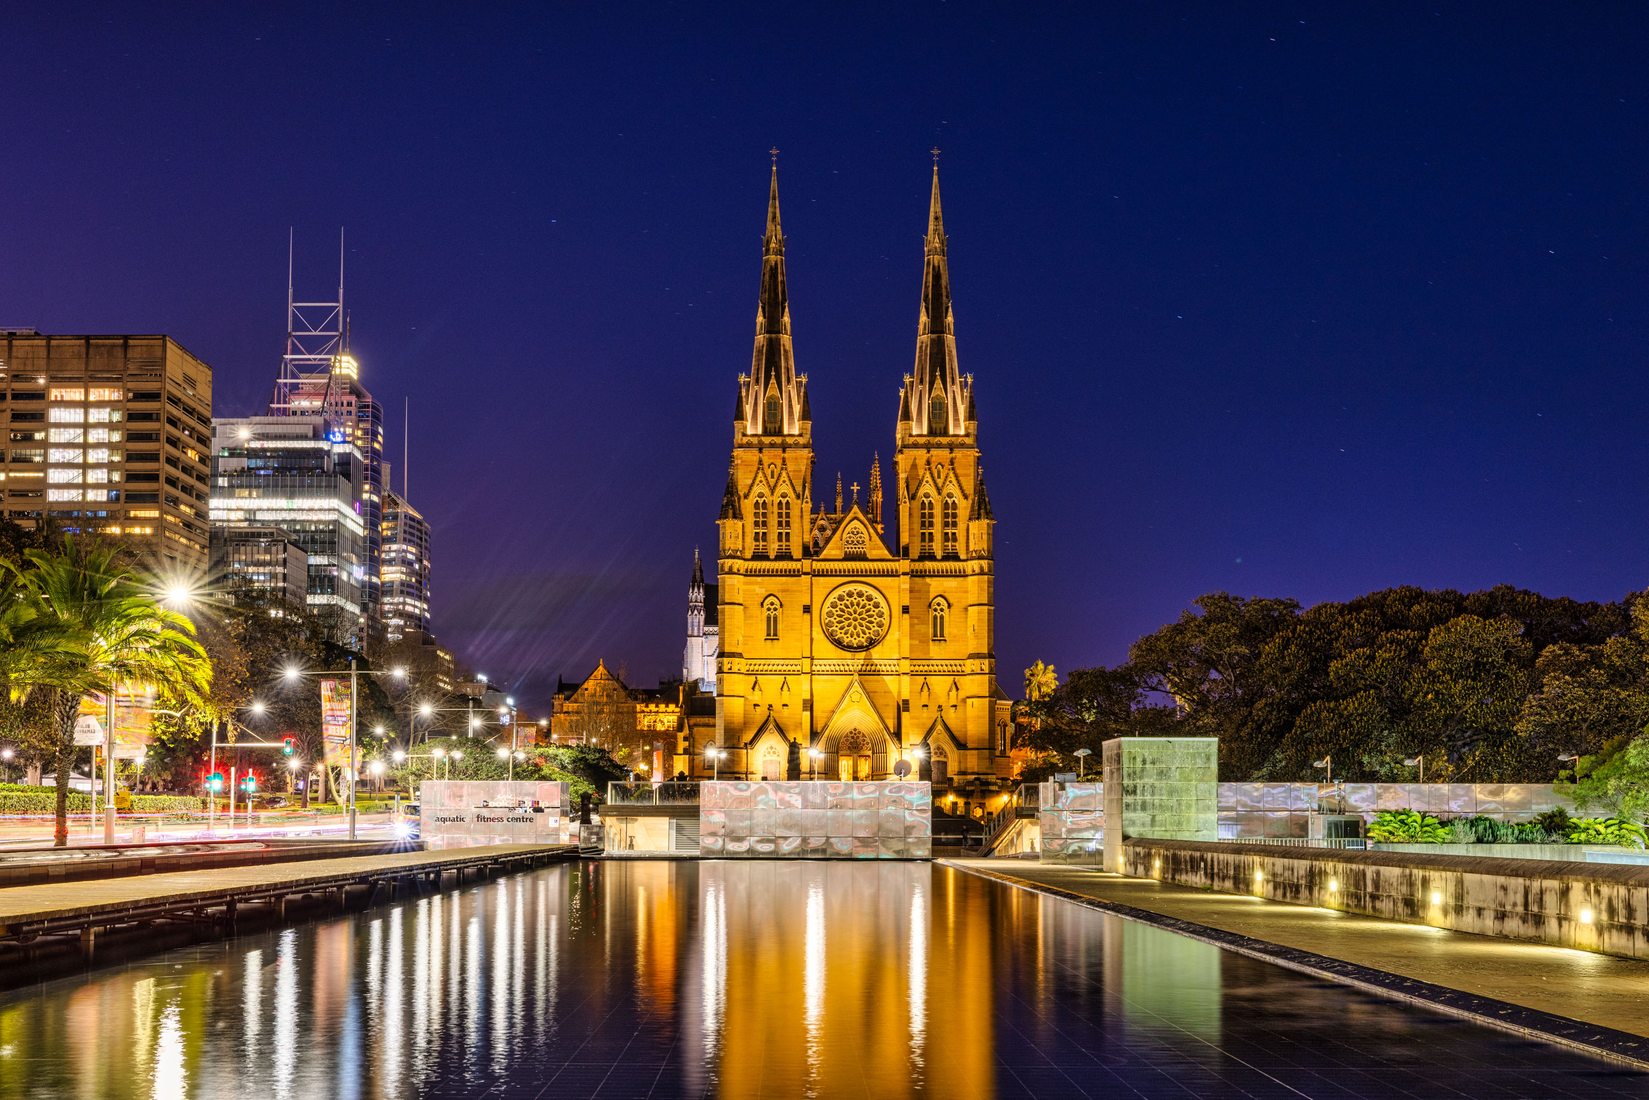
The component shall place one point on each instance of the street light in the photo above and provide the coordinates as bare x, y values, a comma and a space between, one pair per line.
293, 673
715, 754
1418, 761
813, 756
1082, 761
1327, 764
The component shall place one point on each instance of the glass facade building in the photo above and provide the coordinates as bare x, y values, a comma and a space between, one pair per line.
307, 477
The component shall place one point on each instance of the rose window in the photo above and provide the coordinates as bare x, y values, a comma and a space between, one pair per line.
855, 616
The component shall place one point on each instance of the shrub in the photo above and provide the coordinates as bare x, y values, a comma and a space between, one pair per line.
39, 800
1407, 826
166, 804
1554, 822
1607, 830
1530, 832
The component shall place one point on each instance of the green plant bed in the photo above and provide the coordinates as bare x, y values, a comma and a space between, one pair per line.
1408, 827
1607, 830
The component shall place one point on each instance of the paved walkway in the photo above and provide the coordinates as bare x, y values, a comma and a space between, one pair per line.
23, 905
1600, 991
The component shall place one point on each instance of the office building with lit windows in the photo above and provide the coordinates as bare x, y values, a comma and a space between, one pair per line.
108, 435
404, 600
339, 396
305, 476
263, 559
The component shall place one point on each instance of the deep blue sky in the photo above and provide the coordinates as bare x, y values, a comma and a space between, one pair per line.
1287, 302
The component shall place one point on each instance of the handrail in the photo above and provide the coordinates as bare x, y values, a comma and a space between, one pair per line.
674, 793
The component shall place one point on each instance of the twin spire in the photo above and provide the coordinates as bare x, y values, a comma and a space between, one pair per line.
772, 399
937, 399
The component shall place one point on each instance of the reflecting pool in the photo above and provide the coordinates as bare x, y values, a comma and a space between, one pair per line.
749, 979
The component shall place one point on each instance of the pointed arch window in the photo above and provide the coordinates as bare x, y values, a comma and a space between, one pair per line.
781, 543
951, 513
938, 423
770, 617
924, 527
758, 525
938, 612
771, 423
853, 543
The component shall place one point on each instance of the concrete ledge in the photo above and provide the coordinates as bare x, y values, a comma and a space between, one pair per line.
1620, 1047
1588, 906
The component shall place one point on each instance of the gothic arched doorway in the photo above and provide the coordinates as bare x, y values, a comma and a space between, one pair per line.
940, 762
853, 756
772, 764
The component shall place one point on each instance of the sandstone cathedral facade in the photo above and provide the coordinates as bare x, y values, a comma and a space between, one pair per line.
851, 639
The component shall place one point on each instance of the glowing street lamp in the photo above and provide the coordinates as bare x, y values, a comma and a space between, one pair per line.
813, 757
715, 754
293, 674
1081, 761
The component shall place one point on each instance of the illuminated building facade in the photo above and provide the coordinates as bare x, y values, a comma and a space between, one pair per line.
698, 661
339, 396
305, 476
848, 644
403, 571
108, 435
265, 559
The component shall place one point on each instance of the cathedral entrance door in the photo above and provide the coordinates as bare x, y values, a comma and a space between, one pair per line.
853, 756
772, 765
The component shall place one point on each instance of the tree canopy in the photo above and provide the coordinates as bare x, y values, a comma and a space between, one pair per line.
1485, 686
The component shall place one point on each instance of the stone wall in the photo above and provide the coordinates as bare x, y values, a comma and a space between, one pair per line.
1592, 907
816, 820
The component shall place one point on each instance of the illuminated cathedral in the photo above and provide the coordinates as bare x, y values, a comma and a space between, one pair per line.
851, 639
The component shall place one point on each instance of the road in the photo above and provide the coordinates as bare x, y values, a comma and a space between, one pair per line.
35, 832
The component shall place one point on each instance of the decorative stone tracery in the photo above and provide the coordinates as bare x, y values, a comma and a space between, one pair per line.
855, 616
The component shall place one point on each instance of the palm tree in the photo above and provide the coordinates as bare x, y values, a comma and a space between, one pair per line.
76, 619
1040, 682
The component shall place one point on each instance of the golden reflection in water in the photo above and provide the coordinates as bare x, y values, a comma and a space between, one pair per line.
761, 979
841, 957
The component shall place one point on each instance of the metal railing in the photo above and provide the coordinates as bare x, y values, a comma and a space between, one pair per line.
651, 794
1353, 843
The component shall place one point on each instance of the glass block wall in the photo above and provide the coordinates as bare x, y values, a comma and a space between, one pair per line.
1072, 820
1160, 787
816, 820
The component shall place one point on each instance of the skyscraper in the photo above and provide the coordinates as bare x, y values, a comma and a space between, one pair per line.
108, 435
302, 474
404, 604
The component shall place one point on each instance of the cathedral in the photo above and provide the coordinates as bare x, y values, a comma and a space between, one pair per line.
850, 641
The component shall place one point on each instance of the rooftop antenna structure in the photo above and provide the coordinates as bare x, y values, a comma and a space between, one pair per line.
316, 340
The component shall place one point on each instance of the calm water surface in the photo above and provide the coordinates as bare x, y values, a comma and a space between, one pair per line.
750, 979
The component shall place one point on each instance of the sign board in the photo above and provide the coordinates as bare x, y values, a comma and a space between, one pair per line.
133, 714
88, 731
335, 722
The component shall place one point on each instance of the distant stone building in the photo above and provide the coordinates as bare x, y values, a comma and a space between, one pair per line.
698, 662
640, 727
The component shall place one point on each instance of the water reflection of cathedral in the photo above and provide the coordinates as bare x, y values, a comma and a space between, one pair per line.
849, 641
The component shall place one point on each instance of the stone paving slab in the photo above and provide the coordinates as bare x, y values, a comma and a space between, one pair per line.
57, 900
1594, 1002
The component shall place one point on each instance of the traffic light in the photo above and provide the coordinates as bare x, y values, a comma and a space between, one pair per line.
250, 783
289, 745
214, 782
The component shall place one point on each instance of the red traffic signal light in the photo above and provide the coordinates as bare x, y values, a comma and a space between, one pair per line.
289, 745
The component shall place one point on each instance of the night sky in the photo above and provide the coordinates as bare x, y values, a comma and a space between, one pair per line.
1289, 303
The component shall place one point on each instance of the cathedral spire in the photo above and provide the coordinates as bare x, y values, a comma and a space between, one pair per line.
934, 402
838, 492
771, 400
876, 492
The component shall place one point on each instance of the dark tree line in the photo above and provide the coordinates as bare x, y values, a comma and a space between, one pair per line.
1484, 686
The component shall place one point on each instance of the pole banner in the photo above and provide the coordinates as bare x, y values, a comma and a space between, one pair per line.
335, 722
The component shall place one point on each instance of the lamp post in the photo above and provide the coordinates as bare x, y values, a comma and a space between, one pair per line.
813, 763
6, 755
1327, 764
714, 753
293, 673
1418, 761
1081, 761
